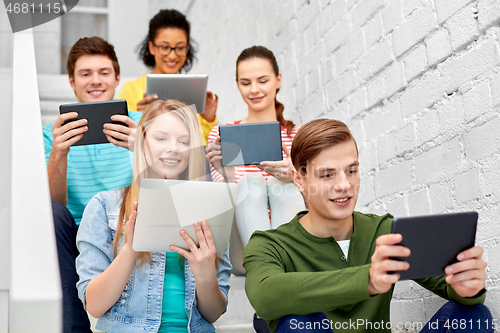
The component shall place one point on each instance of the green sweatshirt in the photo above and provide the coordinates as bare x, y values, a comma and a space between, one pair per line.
290, 271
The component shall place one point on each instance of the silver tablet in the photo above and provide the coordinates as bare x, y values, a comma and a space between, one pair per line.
167, 206
188, 88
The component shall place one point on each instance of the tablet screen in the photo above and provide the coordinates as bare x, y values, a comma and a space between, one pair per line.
97, 114
434, 241
250, 144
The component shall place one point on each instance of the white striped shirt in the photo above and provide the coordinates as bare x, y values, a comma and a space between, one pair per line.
240, 171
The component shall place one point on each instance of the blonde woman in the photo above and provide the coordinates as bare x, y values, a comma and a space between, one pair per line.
180, 291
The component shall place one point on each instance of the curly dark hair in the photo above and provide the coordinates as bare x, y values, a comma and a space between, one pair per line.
167, 18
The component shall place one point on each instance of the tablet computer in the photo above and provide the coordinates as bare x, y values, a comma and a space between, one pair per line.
250, 144
434, 241
97, 114
188, 88
167, 206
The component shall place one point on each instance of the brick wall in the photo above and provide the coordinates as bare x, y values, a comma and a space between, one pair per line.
417, 81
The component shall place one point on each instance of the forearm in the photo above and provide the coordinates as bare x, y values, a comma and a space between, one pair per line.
304, 292
57, 173
104, 290
211, 299
438, 286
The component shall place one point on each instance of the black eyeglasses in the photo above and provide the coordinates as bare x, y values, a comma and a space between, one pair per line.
165, 50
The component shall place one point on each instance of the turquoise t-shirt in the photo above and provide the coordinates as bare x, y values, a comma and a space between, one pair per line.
92, 169
173, 317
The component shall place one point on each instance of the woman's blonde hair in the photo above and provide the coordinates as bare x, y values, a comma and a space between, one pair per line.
195, 171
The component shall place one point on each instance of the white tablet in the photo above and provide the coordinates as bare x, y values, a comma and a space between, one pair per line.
188, 88
167, 206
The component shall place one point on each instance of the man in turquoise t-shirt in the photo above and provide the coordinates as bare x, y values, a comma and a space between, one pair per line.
77, 173
330, 267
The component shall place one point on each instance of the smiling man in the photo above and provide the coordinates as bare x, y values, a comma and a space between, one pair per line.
77, 173
330, 267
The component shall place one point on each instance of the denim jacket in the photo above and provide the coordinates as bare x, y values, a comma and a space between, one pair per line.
139, 307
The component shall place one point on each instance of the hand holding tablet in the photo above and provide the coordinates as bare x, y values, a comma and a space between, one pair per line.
95, 116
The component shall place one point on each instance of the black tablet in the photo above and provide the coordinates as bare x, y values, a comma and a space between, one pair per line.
250, 144
97, 114
434, 241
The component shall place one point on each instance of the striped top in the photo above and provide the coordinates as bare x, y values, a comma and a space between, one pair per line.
92, 169
240, 171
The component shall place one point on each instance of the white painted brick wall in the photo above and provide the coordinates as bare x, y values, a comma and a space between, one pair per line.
417, 81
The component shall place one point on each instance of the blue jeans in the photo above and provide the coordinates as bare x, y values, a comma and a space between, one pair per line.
75, 318
452, 317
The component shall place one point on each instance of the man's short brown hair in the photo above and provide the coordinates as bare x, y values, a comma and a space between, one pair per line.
315, 136
91, 46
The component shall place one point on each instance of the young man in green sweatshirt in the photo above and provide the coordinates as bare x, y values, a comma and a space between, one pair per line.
332, 264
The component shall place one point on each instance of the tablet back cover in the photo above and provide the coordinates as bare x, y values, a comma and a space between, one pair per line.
97, 114
250, 144
434, 241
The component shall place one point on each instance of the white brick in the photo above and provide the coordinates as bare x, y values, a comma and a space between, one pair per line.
341, 111
491, 177
422, 94
415, 62
373, 31
342, 86
307, 14
300, 46
313, 108
356, 46
482, 141
338, 10
438, 46
386, 148
396, 207
427, 127
394, 179
394, 78
358, 101
441, 197
489, 13
342, 58
462, 27
327, 71
438, 162
309, 61
368, 156
313, 81
375, 91
406, 139
325, 21
419, 203
286, 9
495, 89
363, 10
375, 59
285, 38
446, 8
382, 120
414, 29
451, 115
349, 3
300, 91
409, 6
477, 101
357, 131
336, 36
432, 305
391, 15
366, 193
311, 35
465, 68
288, 100
467, 186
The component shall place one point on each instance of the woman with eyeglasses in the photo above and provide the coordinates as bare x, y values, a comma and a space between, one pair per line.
167, 49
